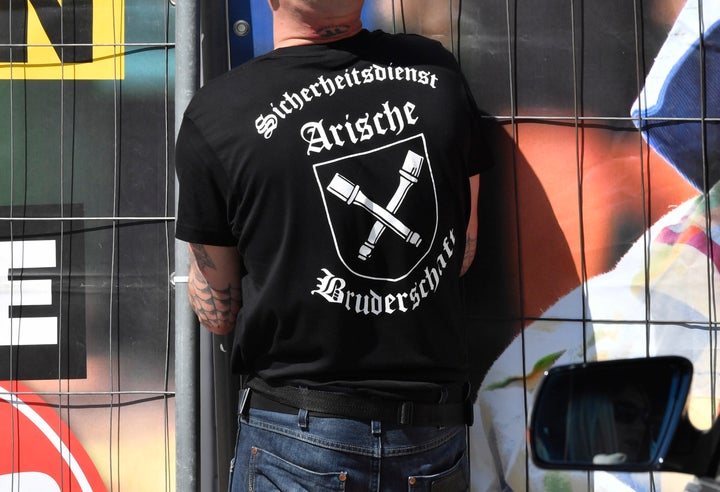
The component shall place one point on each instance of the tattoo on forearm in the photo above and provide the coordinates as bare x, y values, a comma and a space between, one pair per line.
470, 246
202, 257
216, 309
469, 256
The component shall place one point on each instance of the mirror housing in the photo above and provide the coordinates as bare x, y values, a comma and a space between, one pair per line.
619, 415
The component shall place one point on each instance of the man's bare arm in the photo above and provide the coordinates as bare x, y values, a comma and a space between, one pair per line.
471, 233
214, 286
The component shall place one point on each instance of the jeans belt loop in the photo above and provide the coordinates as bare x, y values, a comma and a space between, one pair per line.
407, 409
303, 419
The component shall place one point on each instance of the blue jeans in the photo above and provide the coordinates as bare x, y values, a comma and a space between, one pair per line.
277, 451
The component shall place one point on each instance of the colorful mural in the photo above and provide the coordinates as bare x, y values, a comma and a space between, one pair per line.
622, 265
86, 391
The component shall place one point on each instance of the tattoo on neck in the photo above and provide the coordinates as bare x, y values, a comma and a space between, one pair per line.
332, 31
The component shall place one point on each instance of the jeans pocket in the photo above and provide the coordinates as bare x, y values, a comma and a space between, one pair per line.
269, 472
454, 479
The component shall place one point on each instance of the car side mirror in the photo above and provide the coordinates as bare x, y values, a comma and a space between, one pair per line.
616, 415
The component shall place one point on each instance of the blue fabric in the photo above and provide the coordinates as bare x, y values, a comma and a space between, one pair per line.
691, 91
276, 451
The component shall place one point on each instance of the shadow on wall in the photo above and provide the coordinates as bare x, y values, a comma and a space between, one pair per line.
493, 283
568, 197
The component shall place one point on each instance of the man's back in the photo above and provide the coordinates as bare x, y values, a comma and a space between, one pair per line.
343, 170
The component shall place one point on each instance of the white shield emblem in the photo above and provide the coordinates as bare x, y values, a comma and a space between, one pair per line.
381, 207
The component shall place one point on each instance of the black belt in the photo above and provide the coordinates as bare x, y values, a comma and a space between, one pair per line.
290, 399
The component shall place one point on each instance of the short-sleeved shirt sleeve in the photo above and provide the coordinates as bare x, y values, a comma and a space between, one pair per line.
202, 208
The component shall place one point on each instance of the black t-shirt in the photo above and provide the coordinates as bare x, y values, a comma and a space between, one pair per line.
340, 171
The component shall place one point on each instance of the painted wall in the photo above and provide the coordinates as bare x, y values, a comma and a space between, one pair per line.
85, 245
599, 222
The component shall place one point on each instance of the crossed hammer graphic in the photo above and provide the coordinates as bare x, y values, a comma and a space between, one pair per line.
349, 192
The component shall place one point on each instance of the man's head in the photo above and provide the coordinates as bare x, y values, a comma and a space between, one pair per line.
298, 22
318, 5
